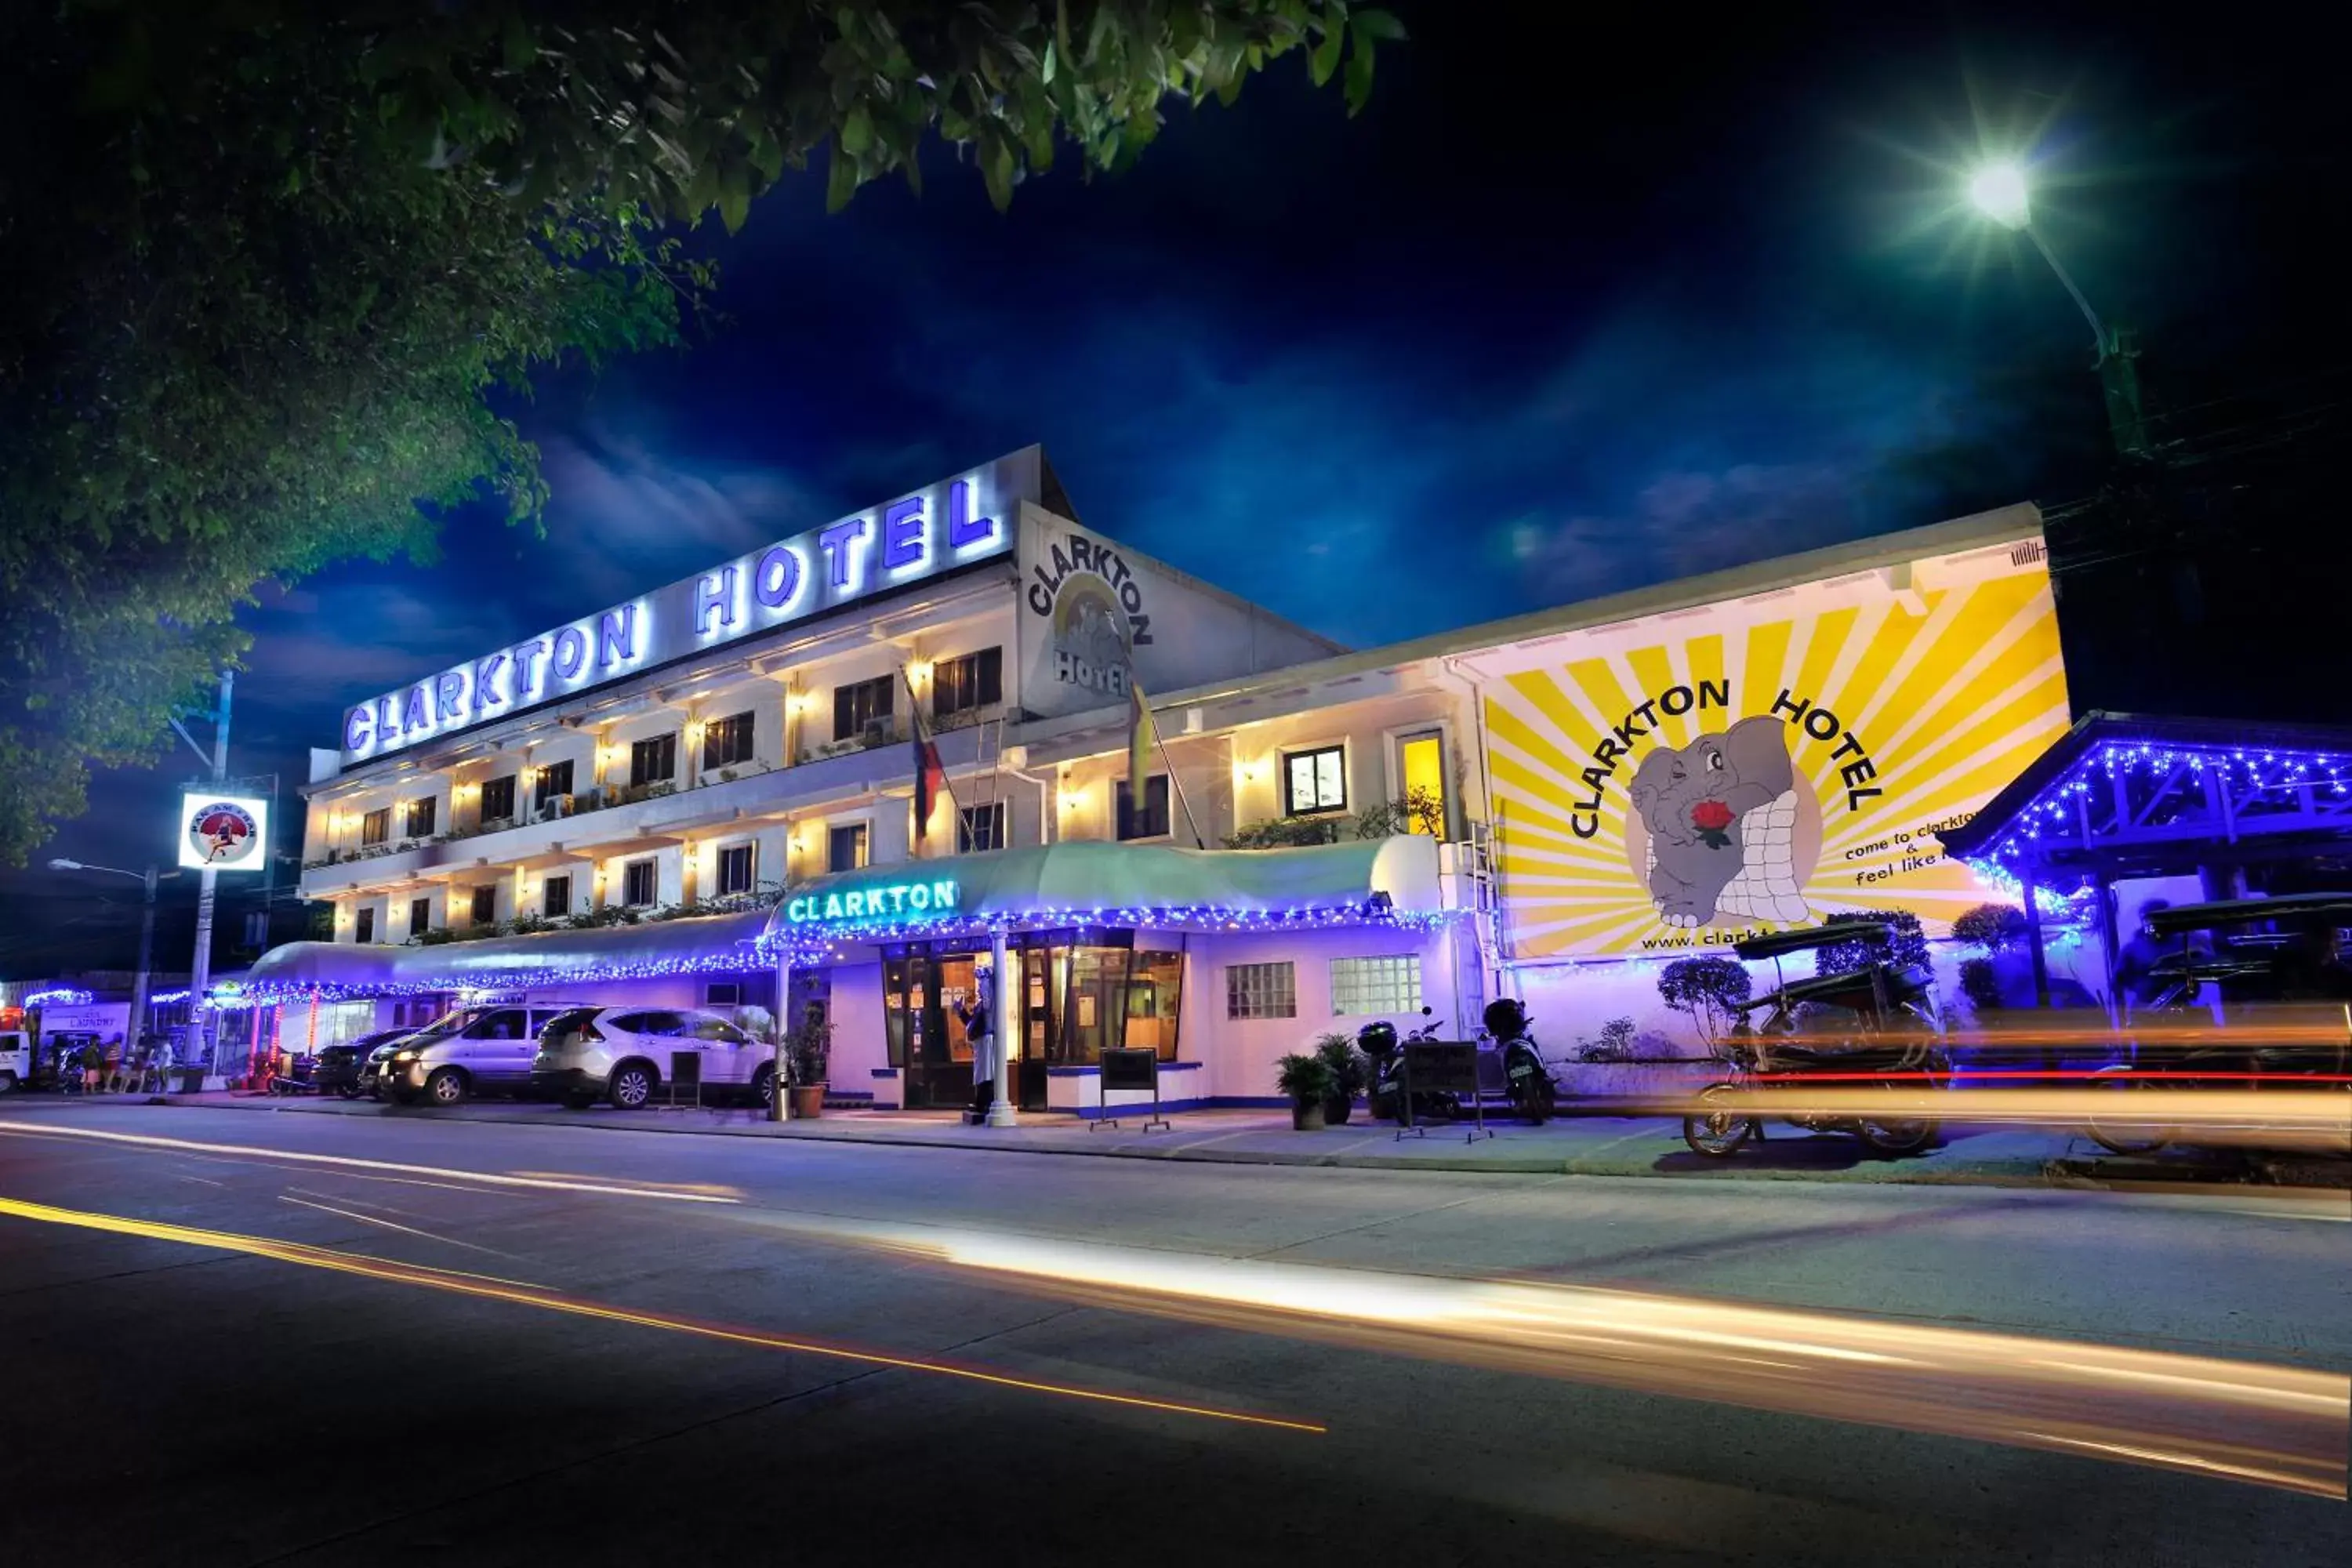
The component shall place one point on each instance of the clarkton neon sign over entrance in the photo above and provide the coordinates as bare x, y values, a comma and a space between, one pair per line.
934, 897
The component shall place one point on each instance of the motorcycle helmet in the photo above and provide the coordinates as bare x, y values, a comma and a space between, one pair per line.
1505, 1019
1378, 1038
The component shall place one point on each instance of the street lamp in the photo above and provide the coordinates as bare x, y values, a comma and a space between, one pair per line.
2001, 193
147, 880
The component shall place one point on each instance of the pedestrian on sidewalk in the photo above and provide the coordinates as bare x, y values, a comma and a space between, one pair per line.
973, 1012
93, 1067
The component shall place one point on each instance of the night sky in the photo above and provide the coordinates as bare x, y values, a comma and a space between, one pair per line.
1563, 312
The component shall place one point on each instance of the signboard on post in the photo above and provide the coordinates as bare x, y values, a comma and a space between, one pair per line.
223, 832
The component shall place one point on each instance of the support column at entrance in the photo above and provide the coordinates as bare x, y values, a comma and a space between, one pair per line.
1004, 983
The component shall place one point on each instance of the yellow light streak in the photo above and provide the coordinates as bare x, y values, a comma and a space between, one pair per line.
480, 1286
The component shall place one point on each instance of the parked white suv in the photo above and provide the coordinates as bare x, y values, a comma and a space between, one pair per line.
472, 1050
624, 1054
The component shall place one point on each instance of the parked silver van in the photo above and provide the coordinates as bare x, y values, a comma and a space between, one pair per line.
469, 1051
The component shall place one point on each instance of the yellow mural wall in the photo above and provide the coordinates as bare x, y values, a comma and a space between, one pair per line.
1680, 782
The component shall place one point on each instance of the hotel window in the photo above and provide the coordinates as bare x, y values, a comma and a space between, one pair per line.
1421, 778
860, 704
844, 847
365, 931
555, 899
961, 684
1374, 987
1314, 781
375, 828
723, 993
1152, 821
419, 818
980, 828
640, 882
1261, 990
552, 780
652, 761
420, 916
735, 869
486, 906
726, 742
497, 798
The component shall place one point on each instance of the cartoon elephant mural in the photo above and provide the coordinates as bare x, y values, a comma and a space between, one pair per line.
1695, 799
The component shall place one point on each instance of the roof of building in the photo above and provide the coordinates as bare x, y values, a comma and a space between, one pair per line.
716, 944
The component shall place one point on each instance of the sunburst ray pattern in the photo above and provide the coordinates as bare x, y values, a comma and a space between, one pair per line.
1884, 716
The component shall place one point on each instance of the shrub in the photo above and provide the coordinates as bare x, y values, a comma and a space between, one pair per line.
1994, 928
1350, 1069
1614, 1043
1706, 990
1907, 949
1306, 1080
1979, 985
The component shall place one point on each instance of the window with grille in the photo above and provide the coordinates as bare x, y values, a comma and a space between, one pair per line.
980, 828
960, 685
553, 780
654, 759
844, 847
859, 704
1261, 990
375, 828
557, 899
1314, 781
1152, 821
420, 916
365, 931
1373, 986
421, 817
735, 868
640, 882
486, 906
726, 742
497, 798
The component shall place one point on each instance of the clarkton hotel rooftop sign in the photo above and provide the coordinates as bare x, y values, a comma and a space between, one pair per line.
948, 525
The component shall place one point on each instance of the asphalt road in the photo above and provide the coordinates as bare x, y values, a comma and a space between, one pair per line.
633, 1348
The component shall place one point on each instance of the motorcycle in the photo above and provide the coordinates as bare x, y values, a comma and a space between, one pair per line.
1893, 1042
1384, 1048
2288, 985
1526, 1082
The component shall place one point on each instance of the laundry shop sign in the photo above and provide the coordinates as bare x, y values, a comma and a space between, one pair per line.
921, 535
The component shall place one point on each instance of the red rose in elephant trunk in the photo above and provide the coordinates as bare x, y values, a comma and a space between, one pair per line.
1712, 818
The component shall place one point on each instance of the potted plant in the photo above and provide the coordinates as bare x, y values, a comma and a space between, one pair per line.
1350, 1075
807, 1049
1307, 1081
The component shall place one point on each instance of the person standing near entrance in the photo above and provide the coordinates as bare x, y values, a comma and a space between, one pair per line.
979, 1027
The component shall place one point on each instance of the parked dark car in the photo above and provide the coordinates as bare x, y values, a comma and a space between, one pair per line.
338, 1068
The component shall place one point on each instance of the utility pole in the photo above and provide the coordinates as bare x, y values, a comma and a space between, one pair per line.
135, 1036
200, 969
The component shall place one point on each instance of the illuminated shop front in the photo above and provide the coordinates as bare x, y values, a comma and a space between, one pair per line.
1115, 946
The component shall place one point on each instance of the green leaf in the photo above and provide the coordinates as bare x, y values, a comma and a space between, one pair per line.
1358, 86
996, 167
840, 181
857, 130
1325, 58
734, 199
1379, 24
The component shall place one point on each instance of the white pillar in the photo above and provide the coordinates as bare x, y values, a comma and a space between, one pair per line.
779, 1104
1000, 1109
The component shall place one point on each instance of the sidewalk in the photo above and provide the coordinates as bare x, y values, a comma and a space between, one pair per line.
1579, 1145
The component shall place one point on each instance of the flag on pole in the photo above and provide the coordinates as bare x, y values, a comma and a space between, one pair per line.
930, 772
1140, 739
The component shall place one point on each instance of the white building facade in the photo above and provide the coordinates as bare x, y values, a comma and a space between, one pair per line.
1553, 806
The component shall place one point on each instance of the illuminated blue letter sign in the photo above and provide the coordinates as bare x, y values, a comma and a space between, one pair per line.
888, 902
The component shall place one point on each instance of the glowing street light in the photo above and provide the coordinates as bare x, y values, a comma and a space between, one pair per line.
2000, 192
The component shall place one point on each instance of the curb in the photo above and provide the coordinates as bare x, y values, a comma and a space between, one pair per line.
2048, 1174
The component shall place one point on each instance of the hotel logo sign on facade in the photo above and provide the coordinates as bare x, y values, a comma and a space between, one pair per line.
948, 525
1676, 789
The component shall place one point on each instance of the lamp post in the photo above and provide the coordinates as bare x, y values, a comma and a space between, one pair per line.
147, 880
2001, 192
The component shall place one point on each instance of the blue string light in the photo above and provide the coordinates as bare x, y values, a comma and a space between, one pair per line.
59, 997
2067, 802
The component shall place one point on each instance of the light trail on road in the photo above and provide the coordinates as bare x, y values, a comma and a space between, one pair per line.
601, 1188
392, 1272
2274, 1425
